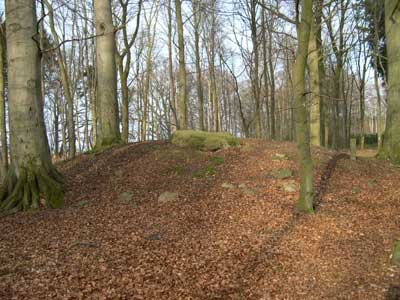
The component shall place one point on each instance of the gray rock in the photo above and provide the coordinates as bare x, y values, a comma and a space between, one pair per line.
226, 185
279, 156
282, 173
126, 196
119, 173
249, 191
168, 197
154, 237
290, 186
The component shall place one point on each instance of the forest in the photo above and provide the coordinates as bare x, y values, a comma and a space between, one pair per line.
200, 149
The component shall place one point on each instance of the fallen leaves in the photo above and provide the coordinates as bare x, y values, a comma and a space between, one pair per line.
214, 241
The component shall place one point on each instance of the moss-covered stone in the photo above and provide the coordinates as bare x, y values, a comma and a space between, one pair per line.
282, 173
205, 172
396, 254
279, 157
126, 196
227, 185
216, 160
205, 141
168, 197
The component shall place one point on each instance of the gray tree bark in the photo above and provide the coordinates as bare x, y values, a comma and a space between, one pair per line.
31, 172
305, 202
107, 103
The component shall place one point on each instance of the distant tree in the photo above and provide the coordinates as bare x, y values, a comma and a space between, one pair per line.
31, 173
182, 67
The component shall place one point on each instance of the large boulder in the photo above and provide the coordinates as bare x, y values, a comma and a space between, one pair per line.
205, 141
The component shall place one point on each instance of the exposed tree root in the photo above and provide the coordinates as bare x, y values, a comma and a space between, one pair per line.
320, 189
29, 189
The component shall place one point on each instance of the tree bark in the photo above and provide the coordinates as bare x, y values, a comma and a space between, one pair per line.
66, 83
182, 68
3, 131
315, 85
107, 103
305, 202
31, 172
391, 143
199, 83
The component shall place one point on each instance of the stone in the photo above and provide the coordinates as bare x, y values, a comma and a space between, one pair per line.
282, 173
81, 203
396, 254
290, 186
168, 197
119, 173
126, 196
154, 237
279, 156
226, 185
249, 191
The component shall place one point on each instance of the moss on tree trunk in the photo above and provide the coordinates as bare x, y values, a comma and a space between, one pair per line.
31, 180
305, 202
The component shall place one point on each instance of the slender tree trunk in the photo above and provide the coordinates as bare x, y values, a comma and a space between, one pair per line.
255, 75
3, 129
265, 65
107, 102
305, 202
376, 79
199, 83
31, 171
170, 70
315, 84
270, 26
391, 143
182, 68
66, 85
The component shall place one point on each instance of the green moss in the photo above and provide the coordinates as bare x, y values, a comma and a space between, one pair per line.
205, 141
178, 170
205, 172
217, 160
396, 254
282, 173
304, 206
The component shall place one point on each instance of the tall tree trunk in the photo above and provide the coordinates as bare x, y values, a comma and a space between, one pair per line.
172, 95
107, 102
149, 68
65, 83
305, 202
270, 25
31, 171
123, 59
255, 75
265, 65
391, 143
315, 85
199, 83
3, 129
182, 68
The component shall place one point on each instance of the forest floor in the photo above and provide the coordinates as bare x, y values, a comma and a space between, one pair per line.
226, 230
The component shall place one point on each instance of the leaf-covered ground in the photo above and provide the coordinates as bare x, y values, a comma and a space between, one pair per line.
231, 233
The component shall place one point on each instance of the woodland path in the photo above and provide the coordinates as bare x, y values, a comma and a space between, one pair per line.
115, 240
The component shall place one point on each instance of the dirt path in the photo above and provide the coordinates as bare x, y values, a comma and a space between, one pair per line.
240, 241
